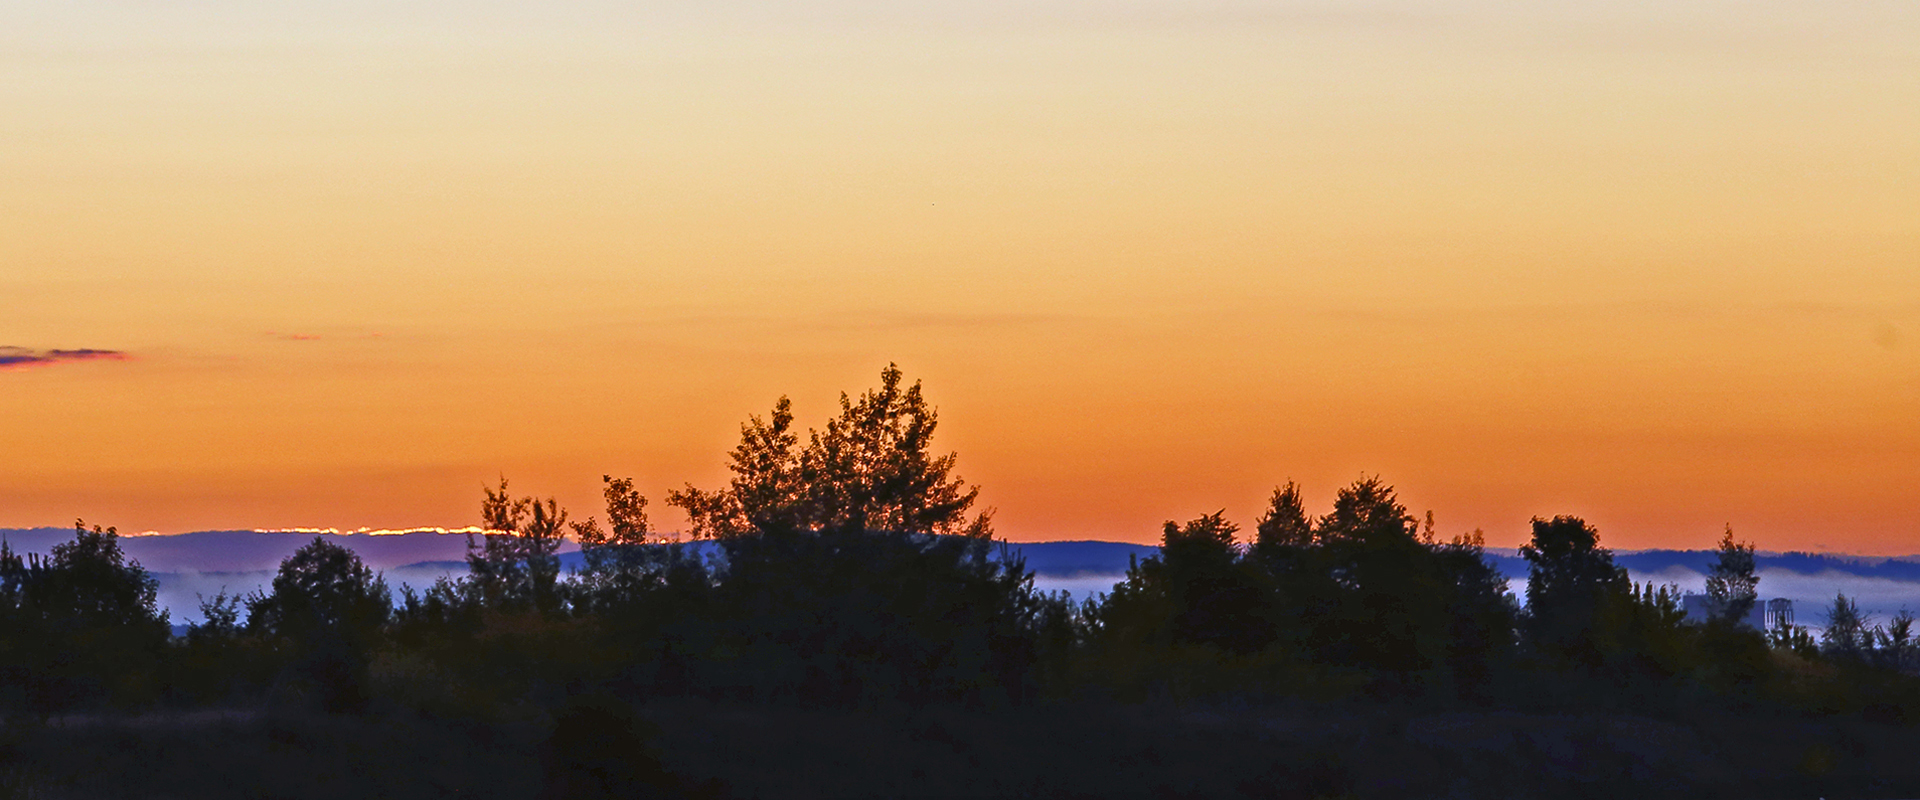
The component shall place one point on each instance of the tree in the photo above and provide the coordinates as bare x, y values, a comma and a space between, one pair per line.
1481, 614
220, 618
1793, 638
1896, 643
1283, 528
1732, 583
92, 580
1420, 614
852, 569
1367, 515
321, 592
870, 469
326, 609
1570, 583
765, 493
1212, 597
624, 565
79, 626
1385, 612
516, 565
1850, 634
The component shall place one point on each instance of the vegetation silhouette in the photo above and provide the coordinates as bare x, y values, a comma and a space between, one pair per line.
78, 627
841, 622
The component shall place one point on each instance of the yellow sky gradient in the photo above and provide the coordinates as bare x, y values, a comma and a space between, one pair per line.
1653, 263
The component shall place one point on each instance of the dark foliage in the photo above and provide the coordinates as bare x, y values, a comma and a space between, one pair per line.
79, 627
844, 615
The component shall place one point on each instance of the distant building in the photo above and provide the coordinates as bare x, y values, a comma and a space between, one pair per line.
1779, 613
1766, 614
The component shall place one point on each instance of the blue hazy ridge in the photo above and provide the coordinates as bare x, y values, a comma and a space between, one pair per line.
193, 565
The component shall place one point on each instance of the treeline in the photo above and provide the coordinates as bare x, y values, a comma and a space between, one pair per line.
852, 571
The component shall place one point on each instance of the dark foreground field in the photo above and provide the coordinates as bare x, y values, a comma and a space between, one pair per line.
701, 749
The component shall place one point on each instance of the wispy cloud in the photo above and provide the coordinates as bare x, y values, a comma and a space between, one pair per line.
23, 358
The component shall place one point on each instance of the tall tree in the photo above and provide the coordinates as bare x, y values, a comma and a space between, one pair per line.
1896, 643
852, 564
516, 564
1571, 581
1733, 586
871, 468
1367, 515
79, 626
765, 493
1850, 634
1391, 612
327, 607
322, 591
1284, 526
628, 561
1215, 598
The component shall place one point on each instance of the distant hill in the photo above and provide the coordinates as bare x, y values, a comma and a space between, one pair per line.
245, 551
241, 551
191, 565
1069, 559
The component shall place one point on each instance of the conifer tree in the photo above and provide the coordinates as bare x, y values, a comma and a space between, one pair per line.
1732, 583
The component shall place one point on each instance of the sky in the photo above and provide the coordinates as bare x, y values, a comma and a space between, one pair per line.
303, 264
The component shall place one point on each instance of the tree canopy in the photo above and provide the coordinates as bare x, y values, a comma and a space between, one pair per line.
1732, 584
871, 468
321, 591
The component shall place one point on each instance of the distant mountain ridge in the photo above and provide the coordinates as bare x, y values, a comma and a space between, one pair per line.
1055, 559
243, 551
192, 566
248, 551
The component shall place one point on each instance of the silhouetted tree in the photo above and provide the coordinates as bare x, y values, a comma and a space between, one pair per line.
322, 591
80, 626
870, 469
1304, 594
1792, 638
1283, 530
220, 618
766, 491
1207, 593
1391, 610
1363, 591
1896, 646
1481, 616
1367, 516
1732, 583
1850, 634
219, 660
1571, 583
627, 564
327, 607
851, 568
515, 565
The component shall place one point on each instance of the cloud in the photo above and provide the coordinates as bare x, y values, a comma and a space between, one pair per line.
23, 358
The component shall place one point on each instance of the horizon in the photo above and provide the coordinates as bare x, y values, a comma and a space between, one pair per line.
682, 536
187, 576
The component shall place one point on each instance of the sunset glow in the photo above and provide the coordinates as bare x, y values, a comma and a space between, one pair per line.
338, 266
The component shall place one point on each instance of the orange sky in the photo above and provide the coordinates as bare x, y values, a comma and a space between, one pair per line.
1653, 263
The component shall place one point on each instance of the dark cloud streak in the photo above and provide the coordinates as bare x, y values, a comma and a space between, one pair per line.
22, 358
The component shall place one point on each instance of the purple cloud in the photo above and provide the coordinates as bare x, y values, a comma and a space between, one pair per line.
23, 358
